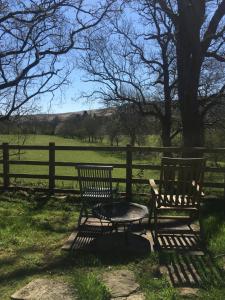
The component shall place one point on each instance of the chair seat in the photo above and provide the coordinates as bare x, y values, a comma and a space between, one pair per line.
177, 208
100, 193
96, 195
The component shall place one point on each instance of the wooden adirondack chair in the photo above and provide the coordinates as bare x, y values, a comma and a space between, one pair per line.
95, 184
179, 189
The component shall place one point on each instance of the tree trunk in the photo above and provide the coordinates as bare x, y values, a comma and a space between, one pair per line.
189, 62
192, 125
166, 119
165, 135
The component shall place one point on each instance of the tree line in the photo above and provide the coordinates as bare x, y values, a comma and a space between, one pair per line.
88, 127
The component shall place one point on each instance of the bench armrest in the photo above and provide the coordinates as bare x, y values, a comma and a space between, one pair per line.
197, 188
154, 186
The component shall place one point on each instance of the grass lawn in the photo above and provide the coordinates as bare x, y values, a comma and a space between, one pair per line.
85, 156
69, 156
33, 231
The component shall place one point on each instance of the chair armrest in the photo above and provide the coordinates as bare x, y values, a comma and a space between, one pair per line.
154, 186
198, 188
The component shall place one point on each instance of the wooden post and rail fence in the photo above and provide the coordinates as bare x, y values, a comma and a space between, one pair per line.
129, 166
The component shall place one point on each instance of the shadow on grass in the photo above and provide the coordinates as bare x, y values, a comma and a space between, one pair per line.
58, 265
7, 261
57, 226
185, 270
64, 263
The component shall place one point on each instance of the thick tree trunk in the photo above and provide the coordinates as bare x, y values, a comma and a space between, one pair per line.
192, 132
165, 134
191, 119
167, 118
189, 62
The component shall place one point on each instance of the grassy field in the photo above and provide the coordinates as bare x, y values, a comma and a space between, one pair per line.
89, 156
33, 231
69, 156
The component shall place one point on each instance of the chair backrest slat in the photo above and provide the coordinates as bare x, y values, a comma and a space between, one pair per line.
95, 182
181, 181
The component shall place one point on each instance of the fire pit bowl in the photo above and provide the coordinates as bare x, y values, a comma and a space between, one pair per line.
120, 212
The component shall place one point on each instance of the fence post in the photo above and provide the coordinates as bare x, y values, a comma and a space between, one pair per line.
51, 182
129, 173
5, 152
224, 189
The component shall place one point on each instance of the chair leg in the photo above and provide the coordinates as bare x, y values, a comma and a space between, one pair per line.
156, 228
80, 217
202, 237
83, 213
151, 209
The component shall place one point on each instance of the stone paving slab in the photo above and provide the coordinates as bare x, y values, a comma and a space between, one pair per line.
136, 296
121, 283
45, 289
188, 292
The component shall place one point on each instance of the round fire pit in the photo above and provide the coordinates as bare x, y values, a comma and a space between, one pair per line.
120, 212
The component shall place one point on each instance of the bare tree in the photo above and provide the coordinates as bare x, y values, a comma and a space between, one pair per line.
136, 66
199, 31
34, 37
165, 56
113, 129
133, 124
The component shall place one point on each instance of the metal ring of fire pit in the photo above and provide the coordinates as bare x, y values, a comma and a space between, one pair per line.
120, 212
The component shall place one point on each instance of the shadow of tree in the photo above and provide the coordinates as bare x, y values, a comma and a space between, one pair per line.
19, 273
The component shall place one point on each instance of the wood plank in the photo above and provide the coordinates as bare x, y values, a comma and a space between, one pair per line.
67, 246
51, 172
129, 173
34, 176
117, 166
28, 147
90, 148
5, 149
108, 148
60, 177
29, 162
74, 164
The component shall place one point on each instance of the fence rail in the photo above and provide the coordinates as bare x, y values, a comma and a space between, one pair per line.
129, 166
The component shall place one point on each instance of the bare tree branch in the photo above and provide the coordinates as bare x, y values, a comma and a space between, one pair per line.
35, 38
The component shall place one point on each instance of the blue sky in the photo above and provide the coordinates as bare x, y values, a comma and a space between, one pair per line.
68, 101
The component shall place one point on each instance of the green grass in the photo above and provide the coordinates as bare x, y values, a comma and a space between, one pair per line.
32, 233
154, 286
69, 156
33, 229
89, 287
214, 224
87, 156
